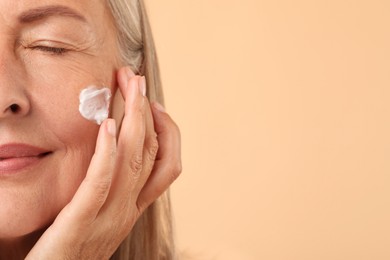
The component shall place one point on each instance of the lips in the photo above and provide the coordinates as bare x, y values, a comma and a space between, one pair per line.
16, 157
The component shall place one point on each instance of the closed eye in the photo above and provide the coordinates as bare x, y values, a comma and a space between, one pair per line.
51, 50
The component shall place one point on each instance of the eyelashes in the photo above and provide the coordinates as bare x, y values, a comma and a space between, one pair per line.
47, 47
57, 51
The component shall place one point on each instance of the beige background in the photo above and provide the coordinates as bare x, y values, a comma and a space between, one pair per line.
284, 112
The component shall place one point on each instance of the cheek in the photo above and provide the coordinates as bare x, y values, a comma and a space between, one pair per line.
59, 110
73, 137
55, 105
55, 84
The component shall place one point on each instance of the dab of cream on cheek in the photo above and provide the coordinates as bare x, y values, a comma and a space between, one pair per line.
94, 103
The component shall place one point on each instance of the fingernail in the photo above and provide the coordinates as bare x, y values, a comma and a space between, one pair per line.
111, 127
159, 107
142, 85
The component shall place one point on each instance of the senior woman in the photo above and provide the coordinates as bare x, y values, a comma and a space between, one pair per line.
69, 188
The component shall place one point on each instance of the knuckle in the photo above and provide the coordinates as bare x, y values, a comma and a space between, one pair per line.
101, 189
136, 163
112, 153
153, 148
140, 111
71, 252
176, 170
175, 132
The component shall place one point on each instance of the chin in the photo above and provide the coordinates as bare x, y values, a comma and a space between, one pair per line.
20, 230
22, 216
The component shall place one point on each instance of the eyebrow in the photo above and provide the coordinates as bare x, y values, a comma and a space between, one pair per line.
44, 12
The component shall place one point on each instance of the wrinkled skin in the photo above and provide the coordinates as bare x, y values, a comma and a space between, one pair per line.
67, 205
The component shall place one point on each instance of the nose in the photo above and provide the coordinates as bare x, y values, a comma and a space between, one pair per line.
13, 102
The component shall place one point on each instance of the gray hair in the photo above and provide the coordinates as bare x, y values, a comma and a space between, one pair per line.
136, 44
151, 238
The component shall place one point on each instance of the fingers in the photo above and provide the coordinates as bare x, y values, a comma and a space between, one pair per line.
168, 165
131, 139
147, 162
118, 102
129, 163
150, 148
94, 189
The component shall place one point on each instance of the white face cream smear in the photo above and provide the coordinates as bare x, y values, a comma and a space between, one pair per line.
94, 103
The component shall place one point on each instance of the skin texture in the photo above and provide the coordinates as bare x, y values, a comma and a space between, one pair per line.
69, 206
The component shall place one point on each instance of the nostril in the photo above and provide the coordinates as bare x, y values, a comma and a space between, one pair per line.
15, 108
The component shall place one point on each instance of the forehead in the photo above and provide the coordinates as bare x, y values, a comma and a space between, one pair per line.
92, 11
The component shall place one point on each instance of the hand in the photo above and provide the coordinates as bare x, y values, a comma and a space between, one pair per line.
123, 179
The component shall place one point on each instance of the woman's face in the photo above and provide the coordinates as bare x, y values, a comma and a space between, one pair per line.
49, 51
